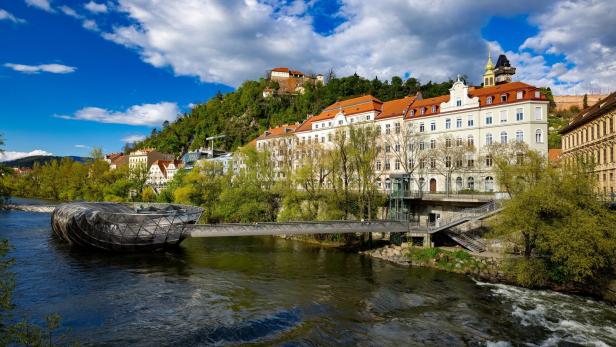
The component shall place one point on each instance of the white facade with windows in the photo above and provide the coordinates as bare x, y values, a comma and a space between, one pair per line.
475, 118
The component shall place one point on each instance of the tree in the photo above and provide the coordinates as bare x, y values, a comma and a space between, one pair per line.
363, 154
516, 167
585, 101
96, 153
558, 219
450, 156
403, 144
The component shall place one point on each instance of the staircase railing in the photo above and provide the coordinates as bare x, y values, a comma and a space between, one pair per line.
465, 215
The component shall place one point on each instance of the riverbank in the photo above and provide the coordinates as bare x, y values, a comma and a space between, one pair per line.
489, 267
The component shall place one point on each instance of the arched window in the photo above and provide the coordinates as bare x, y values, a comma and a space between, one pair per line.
488, 139
519, 136
459, 183
489, 184
470, 183
538, 136
503, 137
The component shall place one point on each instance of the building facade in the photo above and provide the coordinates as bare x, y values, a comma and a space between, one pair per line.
591, 137
162, 172
146, 157
454, 129
290, 81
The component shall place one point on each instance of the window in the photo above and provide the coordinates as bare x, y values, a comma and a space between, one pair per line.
432, 163
323, 139
397, 165
378, 129
538, 136
470, 161
340, 122
538, 113
447, 142
488, 139
519, 136
488, 160
316, 126
422, 146
387, 148
458, 102
488, 118
433, 109
489, 100
519, 114
470, 183
329, 124
537, 94
470, 121
489, 181
387, 129
432, 126
459, 183
504, 98
397, 148
387, 165
459, 123
421, 127
422, 110
503, 116
397, 128
470, 141
503, 137
412, 113
520, 95
378, 165
448, 123
448, 161
433, 144
368, 117
459, 141
422, 163
519, 158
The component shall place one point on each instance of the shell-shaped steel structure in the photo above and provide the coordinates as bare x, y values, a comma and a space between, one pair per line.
123, 227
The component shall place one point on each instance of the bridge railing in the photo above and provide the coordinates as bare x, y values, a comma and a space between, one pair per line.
465, 214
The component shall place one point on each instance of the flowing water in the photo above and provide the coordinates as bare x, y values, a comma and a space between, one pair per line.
269, 291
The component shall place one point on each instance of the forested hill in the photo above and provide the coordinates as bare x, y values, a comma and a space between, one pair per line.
243, 114
28, 162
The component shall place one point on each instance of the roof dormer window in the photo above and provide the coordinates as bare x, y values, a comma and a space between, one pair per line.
433, 109
520, 95
412, 113
422, 111
537, 94
504, 98
489, 100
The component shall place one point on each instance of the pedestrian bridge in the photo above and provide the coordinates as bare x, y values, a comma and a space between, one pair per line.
340, 227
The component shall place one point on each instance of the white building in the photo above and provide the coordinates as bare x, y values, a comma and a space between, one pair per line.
146, 157
470, 117
161, 172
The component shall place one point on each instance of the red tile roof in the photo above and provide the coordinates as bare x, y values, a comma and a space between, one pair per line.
352, 106
554, 154
281, 69
277, 131
395, 108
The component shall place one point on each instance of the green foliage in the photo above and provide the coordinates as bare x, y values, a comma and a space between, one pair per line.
527, 272
244, 113
555, 215
21, 333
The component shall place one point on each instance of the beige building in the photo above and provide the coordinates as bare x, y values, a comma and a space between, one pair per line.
146, 157
565, 102
290, 81
591, 136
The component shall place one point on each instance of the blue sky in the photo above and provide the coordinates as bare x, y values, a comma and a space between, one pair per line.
79, 74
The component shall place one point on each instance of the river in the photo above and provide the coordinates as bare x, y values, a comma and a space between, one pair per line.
270, 291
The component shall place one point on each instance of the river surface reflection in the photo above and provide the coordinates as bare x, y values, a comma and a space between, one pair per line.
269, 291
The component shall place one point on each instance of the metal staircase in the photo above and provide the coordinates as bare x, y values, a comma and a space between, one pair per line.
466, 240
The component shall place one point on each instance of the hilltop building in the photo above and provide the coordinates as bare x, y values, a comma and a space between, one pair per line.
500, 73
289, 81
116, 160
565, 102
591, 137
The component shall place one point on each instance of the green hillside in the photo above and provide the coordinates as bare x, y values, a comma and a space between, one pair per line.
28, 162
244, 113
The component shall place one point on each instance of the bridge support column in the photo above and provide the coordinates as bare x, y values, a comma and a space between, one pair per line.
427, 243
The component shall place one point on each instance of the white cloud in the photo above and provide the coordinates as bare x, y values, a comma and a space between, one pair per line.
32, 69
11, 155
133, 138
70, 12
95, 7
40, 4
82, 146
146, 114
90, 25
230, 41
583, 32
4, 15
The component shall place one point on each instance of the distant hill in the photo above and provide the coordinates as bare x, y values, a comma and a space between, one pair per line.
41, 159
